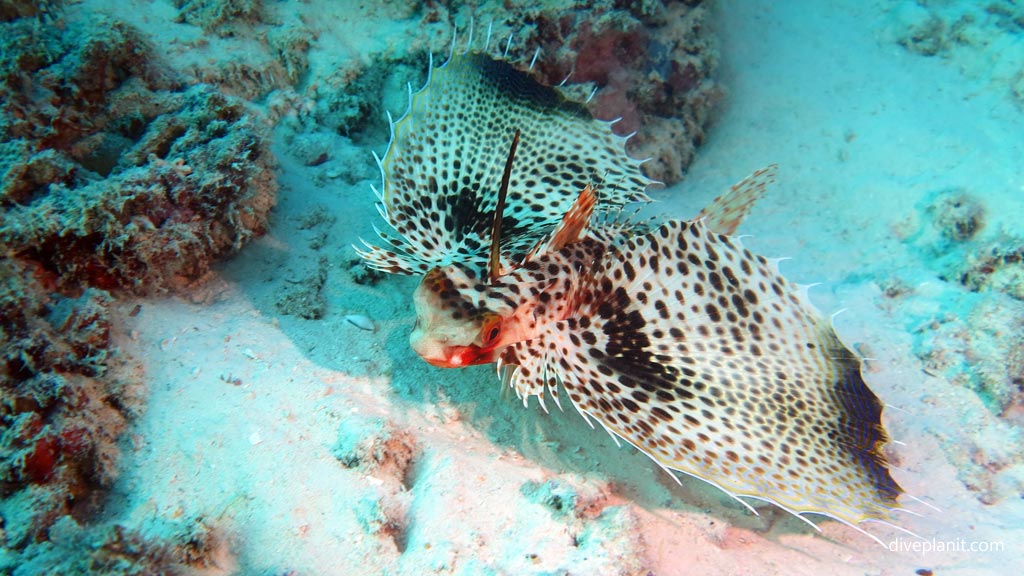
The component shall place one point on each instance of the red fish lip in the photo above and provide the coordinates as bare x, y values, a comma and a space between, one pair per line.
438, 362
472, 355
461, 356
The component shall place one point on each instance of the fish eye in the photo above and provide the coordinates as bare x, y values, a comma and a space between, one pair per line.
490, 330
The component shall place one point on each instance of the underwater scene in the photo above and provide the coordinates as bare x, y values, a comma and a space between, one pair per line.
579, 287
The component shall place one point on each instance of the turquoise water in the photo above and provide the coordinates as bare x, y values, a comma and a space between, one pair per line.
201, 376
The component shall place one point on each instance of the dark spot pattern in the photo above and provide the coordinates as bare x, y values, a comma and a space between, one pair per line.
723, 379
443, 168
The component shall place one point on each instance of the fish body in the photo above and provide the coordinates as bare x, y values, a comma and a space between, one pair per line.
688, 346
672, 336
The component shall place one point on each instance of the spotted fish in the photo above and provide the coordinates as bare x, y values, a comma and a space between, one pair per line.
673, 337
441, 172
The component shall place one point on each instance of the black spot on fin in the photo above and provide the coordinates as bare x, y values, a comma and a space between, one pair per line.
521, 86
861, 426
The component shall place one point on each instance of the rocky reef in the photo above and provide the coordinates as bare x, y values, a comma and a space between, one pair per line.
114, 174
62, 408
117, 178
66, 398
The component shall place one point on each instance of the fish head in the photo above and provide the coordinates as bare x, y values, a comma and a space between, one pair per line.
461, 319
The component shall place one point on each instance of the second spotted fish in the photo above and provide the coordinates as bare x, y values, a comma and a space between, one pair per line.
674, 337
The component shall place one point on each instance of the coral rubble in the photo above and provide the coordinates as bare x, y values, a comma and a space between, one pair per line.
115, 176
973, 344
61, 405
966, 327
387, 452
980, 37
158, 547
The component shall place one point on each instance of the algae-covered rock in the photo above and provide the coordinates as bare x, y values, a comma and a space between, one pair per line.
114, 176
997, 266
12, 9
377, 446
62, 410
157, 546
216, 15
957, 215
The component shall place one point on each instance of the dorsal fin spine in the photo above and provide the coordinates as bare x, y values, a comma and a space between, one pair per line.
494, 263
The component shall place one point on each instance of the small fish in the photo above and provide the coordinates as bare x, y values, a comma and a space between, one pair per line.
673, 337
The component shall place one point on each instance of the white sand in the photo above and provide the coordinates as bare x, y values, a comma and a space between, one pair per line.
862, 130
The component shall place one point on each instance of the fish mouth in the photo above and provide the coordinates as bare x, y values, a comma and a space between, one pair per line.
438, 352
435, 352
438, 362
456, 356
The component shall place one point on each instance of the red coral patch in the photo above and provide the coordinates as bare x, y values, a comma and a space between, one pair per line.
39, 464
